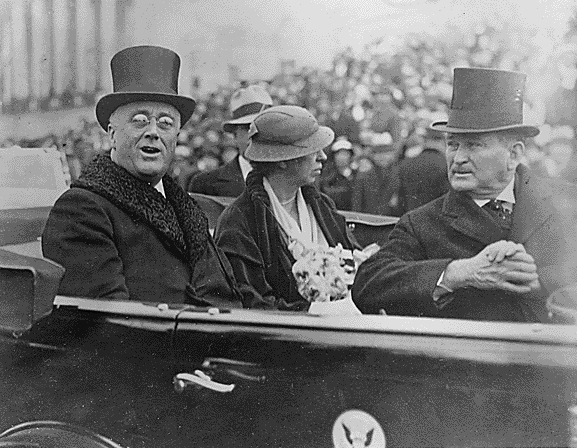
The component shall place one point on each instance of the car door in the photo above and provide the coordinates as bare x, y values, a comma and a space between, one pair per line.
93, 363
248, 378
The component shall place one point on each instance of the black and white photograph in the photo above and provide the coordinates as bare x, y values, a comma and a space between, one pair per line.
272, 224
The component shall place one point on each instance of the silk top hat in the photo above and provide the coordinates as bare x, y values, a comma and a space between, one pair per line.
144, 73
486, 100
245, 105
285, 133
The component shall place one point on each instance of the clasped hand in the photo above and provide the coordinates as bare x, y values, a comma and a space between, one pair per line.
501, 265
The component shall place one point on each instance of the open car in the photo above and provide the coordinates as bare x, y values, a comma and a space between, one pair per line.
174, 375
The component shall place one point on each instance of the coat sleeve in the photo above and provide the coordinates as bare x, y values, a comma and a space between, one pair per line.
233, 236
79, 236
399, 278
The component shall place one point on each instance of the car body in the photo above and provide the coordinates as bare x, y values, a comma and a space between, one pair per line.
174, 375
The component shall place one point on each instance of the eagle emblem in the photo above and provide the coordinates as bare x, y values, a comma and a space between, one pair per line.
357, 429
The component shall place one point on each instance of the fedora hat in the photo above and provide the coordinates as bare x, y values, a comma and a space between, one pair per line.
285, 133
144, 73
245, 105
486, 100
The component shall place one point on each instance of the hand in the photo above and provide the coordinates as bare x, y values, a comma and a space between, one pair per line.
500, 250
515, 272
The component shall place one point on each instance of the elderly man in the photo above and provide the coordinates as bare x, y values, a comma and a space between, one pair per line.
500, 242
125, 230
228, 180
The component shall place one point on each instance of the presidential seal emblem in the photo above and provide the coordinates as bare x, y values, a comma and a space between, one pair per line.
357, 429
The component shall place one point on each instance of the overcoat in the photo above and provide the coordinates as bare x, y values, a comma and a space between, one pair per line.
119, 238
226, 180
401, 277
256, 246
422, 179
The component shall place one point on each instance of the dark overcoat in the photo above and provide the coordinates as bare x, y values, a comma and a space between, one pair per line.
119, 238
256, 246
401, 277
226, 180
422, 179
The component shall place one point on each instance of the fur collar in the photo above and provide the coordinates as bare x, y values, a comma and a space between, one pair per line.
177, 219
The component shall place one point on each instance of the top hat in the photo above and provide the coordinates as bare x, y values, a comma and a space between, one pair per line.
486, 100
246, 104
286, 133
144, 73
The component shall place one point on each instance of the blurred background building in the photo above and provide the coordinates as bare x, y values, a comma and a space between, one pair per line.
377, 71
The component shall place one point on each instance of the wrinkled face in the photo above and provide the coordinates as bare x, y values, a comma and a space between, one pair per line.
305, 170
144, 135
481, 164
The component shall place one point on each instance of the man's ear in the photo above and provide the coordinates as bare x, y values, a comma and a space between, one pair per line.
516, 154
110, 131
283, 165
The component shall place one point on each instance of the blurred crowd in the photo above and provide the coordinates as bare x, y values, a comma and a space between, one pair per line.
378, 104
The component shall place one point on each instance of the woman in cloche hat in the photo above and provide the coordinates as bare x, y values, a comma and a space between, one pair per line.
280, 204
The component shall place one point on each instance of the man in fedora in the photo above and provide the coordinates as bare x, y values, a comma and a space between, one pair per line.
500, 242
125, 230
228, 180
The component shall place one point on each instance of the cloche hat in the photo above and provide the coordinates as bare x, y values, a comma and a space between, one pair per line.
246, 104
144, 73
486, 100
285, 133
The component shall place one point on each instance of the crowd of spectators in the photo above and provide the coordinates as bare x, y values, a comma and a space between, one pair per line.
382, 103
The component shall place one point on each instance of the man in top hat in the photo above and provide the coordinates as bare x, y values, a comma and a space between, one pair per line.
228, 180
125, 230
500, 242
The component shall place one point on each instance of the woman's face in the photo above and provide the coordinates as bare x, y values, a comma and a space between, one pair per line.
306, 170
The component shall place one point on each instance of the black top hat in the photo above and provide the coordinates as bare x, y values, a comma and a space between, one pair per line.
144, 73
486, 100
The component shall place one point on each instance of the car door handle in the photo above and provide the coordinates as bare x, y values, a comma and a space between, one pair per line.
182, 380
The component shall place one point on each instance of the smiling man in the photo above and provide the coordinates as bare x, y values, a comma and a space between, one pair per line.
125, 230
500, 242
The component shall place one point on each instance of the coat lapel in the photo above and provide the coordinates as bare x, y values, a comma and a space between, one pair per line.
177, 219
468, 218
533, 206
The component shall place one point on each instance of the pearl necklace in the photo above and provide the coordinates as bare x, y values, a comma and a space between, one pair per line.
284, 204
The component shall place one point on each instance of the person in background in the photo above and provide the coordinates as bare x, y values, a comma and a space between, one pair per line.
500, 242
423, 172
229, 180
376, 190
280, 204
336, 179
125, 230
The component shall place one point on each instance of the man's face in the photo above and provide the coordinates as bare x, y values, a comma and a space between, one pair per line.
145, 136
241, 137
481, 164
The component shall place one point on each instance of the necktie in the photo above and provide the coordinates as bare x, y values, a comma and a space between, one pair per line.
501, 211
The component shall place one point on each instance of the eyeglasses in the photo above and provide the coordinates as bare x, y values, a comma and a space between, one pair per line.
141, 121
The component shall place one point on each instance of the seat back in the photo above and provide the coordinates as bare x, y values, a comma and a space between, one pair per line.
212, 206
31, 179
367, 228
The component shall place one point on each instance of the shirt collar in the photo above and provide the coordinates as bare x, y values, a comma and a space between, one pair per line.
245, 166
508, 195
158, 187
